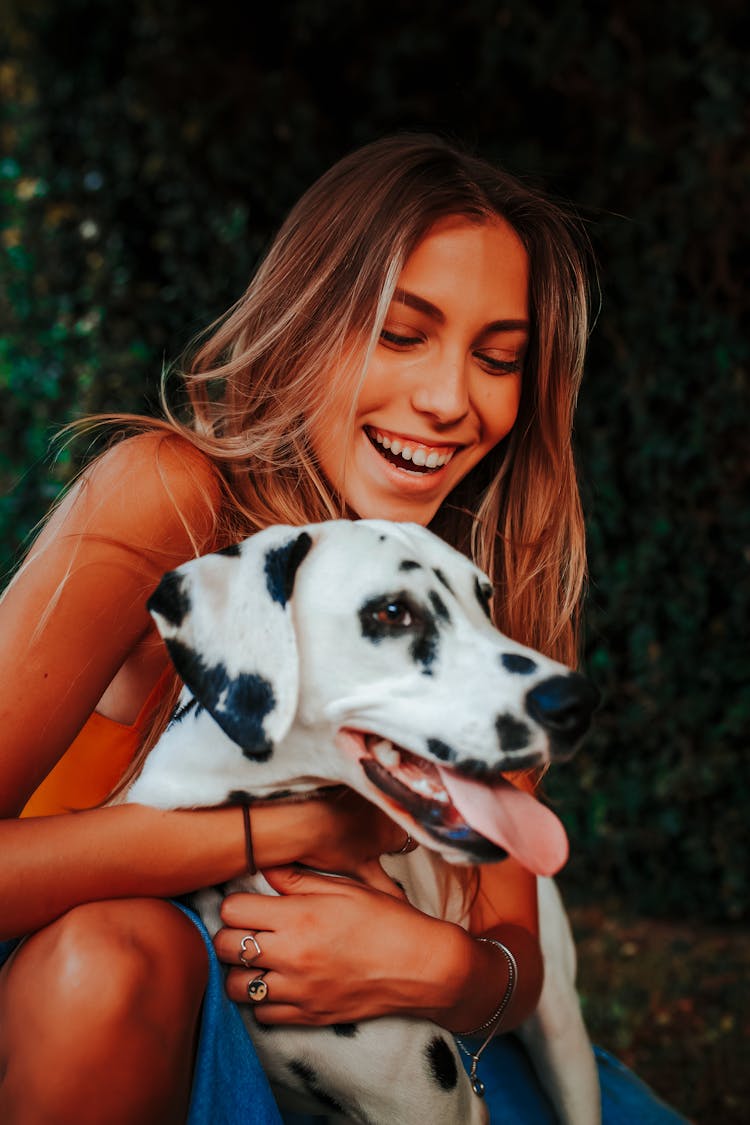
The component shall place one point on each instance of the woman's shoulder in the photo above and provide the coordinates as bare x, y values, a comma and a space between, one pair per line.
153, 489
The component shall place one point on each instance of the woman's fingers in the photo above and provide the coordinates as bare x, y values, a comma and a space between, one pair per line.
333, 949
246, 948
280, 998
372, 873
300, 881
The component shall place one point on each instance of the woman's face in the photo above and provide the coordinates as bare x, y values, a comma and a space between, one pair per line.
444, 383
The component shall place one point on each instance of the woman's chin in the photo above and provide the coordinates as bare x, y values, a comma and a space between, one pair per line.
376, 489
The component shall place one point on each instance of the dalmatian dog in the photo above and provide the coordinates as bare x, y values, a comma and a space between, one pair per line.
362, 653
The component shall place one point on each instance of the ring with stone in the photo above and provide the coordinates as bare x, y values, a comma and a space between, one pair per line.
257, 989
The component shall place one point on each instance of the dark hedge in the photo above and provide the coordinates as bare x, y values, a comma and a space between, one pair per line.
151, 148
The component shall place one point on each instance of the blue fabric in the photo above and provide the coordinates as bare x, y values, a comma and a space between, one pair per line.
230, 1088
514, 1096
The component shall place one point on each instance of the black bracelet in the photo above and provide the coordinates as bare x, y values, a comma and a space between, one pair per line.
250, 856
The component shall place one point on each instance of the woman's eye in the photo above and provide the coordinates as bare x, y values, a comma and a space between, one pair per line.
502, 366
397, 339
394, 613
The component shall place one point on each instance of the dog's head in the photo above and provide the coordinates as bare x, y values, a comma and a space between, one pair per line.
366, 649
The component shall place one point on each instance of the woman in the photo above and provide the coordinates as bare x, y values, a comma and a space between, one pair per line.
410, 348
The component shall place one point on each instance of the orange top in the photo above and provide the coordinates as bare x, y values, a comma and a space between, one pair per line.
93, 764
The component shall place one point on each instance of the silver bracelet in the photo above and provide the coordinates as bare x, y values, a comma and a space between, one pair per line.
493, 1023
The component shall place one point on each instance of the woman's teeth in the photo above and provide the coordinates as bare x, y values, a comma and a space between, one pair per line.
419, 455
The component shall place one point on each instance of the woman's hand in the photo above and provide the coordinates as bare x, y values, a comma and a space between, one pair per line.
336, 951
343, 833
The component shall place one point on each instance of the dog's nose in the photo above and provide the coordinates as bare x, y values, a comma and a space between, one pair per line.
563, 705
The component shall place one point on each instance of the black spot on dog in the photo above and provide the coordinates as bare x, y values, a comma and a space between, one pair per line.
514, 662
232, 551
512, 734
309, 1079
345, 1030
483, 593
478, 770
441, 578
170, 599
424, 650
442, 1063
441, 750
239, 704
439, 606
240, 797
410, 564
281, 567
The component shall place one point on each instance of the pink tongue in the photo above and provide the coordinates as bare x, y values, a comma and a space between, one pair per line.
513, 819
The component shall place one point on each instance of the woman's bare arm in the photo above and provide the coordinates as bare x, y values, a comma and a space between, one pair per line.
53, 863
77, 608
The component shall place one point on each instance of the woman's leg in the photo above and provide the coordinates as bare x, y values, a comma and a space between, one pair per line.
98, 1017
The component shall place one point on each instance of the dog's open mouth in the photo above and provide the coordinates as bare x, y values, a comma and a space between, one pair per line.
415, 786
485, 821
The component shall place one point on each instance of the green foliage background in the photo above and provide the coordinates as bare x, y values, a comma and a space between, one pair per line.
151, 148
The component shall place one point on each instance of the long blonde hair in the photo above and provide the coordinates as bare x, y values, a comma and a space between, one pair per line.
316, 305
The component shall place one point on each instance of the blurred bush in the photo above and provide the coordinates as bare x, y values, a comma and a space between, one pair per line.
150, 150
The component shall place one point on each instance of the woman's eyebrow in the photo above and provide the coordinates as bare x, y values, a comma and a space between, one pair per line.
420, 304
424, 306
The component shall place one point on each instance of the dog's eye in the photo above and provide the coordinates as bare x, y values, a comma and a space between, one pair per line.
394, 613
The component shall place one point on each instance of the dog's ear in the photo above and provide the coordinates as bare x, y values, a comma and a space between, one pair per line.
227, 623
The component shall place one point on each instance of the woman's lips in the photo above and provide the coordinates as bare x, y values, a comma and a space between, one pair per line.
408, 453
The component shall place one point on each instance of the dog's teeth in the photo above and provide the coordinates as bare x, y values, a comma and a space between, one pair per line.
425, 787
385, 753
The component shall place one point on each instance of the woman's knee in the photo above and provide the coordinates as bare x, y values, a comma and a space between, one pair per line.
110, 990
117, 958
118, 965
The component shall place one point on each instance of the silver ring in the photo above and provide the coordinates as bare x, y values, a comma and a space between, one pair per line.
257, 989
408, 846
247, 961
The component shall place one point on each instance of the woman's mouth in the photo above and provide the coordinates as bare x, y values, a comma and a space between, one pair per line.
409, 455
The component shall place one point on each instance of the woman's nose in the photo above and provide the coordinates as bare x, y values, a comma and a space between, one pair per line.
441, 390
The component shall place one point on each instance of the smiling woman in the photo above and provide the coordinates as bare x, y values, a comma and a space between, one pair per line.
443, 384
410, 348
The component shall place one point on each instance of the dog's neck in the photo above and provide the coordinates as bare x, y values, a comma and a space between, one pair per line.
181, 772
